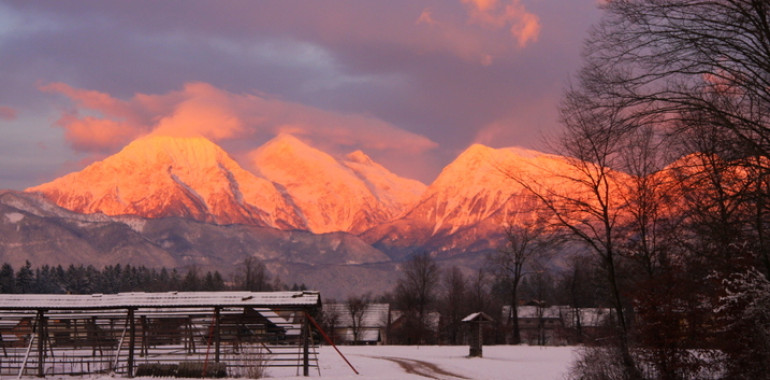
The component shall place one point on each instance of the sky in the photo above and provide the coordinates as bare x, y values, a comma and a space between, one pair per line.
412, 83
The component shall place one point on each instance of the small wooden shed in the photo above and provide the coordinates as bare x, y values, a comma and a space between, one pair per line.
475, 322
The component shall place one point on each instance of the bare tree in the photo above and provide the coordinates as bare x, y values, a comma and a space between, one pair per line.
697, 73
529, 239
588, 200
357, 307
331, 320
454, 304
415, 294
253, 276
701, 69
577, 289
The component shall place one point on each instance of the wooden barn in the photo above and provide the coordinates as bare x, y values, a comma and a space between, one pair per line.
200, 334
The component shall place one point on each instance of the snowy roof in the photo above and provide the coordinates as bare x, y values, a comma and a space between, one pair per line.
478, 317
588, 316
158, 300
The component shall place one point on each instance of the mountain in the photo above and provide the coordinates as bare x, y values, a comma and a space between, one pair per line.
338, 224
465, 208
350, 195
295, 186
33, 228
160, 176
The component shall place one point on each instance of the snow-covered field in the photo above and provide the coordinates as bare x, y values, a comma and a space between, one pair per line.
424, 362
439, 362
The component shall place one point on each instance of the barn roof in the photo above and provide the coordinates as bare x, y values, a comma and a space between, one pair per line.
159, 300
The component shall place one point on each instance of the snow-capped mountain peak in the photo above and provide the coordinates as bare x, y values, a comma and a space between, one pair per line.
333, 195
159, 176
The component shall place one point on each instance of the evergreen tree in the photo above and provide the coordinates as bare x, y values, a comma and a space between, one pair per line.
7, 279
25, 278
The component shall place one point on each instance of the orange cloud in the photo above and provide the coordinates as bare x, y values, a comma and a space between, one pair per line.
7, 113
101, 123
206, 111
523, 25
93, 134
482, 5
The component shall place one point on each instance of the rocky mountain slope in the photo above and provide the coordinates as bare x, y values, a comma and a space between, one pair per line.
352, 195
185, 177
33, 228
295, 187
465, 208
345, 222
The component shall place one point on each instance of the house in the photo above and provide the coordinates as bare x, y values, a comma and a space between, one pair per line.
405, 328
369, 327
558, 325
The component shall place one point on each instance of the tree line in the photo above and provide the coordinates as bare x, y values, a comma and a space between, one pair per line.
429, 301
251, 275
667, 130
664, 201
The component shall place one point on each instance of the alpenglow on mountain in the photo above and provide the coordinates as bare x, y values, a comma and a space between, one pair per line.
295, 186
338, 224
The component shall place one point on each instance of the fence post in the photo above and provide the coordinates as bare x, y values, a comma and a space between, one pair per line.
41, 331
131, 342
217, 338
305, 345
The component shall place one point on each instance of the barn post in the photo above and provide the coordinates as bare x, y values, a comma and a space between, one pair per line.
41, 331
306, 345
131, 341
217, 337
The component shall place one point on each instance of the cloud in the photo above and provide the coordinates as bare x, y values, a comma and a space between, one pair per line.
204, 111
426, 17
100, 123
8, 113
523, 25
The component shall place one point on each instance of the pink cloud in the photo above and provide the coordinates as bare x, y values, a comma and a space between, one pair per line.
204, 111
482, 5
92, 134
100, 122
426, 17
8, 113
523, 25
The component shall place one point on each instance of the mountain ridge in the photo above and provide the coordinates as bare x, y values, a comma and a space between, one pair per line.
314, 214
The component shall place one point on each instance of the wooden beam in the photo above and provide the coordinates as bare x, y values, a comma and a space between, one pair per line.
217, 340
41, 331
305, 345
131, 341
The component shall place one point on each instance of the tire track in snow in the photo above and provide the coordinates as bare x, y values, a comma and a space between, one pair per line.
422, 368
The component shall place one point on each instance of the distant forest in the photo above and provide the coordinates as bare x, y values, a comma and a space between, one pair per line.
126, 278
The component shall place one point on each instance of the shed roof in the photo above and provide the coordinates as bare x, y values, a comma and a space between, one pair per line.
158, 300
478, 317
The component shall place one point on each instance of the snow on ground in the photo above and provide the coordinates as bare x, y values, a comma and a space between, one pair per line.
439, 362
427, 362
